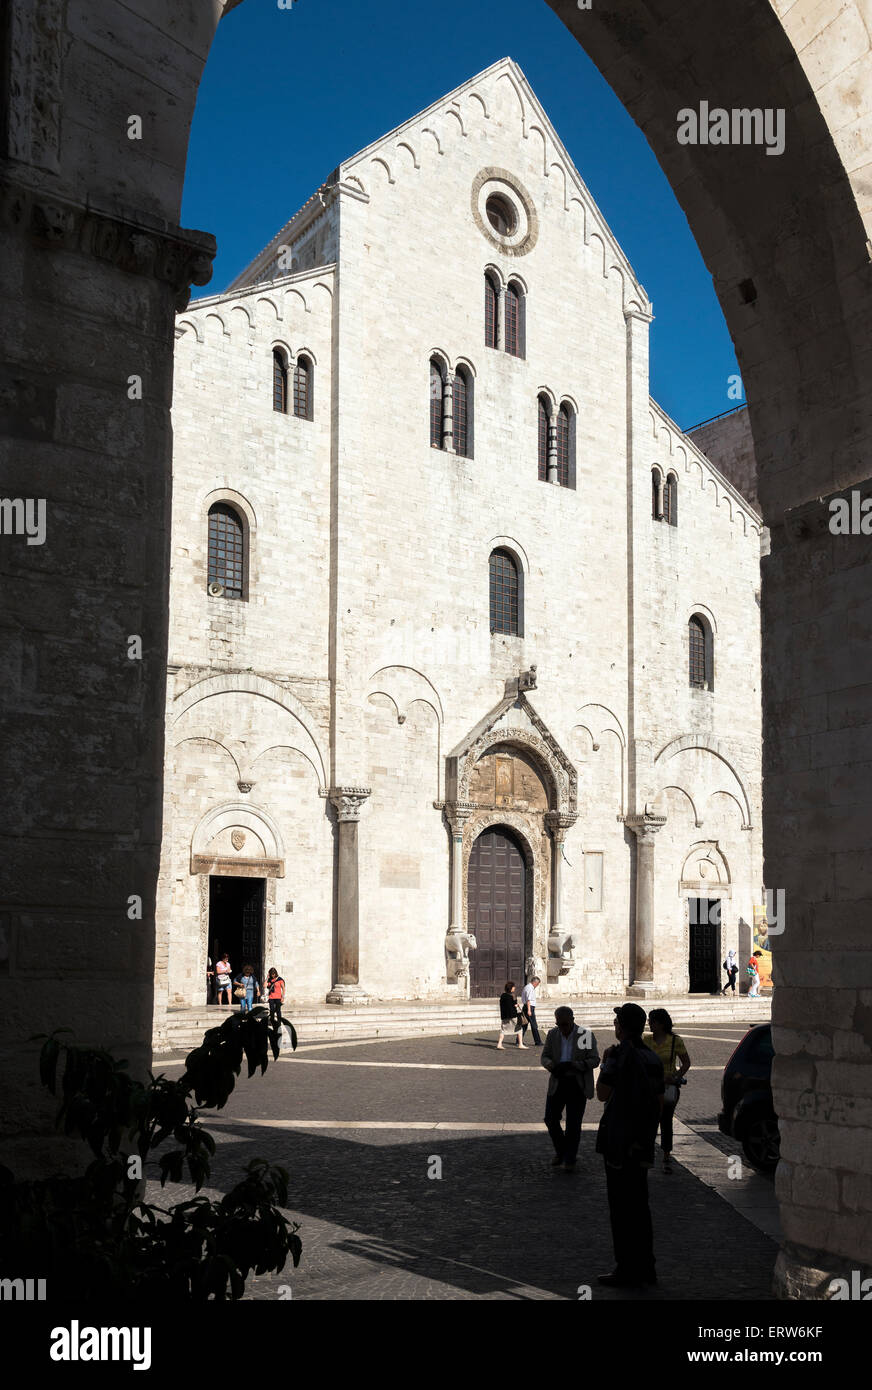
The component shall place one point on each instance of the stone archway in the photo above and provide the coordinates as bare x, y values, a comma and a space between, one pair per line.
786, 244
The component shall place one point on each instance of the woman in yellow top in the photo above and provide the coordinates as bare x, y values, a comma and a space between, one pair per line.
671, 1050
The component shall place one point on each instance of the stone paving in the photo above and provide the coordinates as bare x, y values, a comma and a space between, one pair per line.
499, 1223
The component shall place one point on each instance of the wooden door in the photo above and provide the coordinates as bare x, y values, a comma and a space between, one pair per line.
497, 909
705, 936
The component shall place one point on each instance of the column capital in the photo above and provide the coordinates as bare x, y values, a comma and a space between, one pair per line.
348, 801
457, 813
644, 827
558, 822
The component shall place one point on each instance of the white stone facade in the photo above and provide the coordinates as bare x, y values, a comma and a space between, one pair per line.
358, 676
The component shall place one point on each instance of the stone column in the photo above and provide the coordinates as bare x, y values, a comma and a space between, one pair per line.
347, 802
457, 940
559, 961
448, 413
644, 828
552, 472
659, 497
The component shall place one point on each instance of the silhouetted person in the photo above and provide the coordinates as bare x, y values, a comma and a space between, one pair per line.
631, 1086
570, 1056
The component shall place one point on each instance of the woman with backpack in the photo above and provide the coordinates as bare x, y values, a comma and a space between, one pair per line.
673, 1053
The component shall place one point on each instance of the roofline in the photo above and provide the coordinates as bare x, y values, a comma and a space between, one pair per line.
288, 277
704, 458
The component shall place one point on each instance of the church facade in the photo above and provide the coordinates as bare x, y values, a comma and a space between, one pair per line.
465, 643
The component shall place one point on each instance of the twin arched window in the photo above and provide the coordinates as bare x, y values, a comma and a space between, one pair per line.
451, 409
302, 386
504, 315
226, 558
664, 497
505, 594
700, 652
556, 443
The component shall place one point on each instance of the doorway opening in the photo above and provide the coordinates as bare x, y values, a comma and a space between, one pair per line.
236, 922
497, 912
704, 970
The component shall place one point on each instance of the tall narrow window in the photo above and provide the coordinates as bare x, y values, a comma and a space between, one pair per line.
436, 392
514, 321
564, 428
280, 381
491, 311
303, 388
226, 550
504, 605
655, 495
670, 500
462, 413
701, 653
544, 415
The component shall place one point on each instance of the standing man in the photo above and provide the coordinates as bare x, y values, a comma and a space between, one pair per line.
630, 1084
528, 1008
570, 1055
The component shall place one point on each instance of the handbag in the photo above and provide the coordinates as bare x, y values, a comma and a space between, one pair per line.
239, 991
670, 1093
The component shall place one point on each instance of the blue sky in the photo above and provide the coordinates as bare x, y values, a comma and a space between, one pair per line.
288, 94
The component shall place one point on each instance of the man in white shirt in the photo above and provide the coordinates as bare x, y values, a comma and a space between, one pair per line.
528, 1008
570, 1056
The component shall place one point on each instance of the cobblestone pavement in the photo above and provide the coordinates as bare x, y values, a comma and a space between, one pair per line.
499, 1223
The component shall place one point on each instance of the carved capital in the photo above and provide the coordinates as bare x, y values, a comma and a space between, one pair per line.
348, 801
457, 813
644, 827
559, 822
156, 249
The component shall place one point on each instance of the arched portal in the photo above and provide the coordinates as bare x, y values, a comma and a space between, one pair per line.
497, 898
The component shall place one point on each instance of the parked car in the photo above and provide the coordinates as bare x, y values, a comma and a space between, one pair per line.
747, 1110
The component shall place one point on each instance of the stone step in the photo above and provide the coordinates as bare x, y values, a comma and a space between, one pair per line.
184, 1028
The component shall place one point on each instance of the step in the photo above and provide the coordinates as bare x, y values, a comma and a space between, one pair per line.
184, 1028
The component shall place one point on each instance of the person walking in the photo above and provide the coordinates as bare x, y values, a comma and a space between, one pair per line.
630, 1085
246, 980
672, 1051
223, 977
528, 1009
753, 971
509, 1016
570, 1057
731, 965
275, 993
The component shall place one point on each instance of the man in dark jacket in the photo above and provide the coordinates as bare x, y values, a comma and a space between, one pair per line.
570, 1057
630, 1084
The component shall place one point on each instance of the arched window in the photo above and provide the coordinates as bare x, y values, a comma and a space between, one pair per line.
280, 381
303, 389
656, 503
565, 462
462, 394
670, 500
437, 385
226, 551
491, 311
514, 320
544, 416
701, 653
504, 594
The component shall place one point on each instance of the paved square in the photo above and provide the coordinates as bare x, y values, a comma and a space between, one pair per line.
361, 1126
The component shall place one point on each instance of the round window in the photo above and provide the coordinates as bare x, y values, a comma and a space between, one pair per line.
501, 215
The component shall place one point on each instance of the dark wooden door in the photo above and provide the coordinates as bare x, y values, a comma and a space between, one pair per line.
705, 938
497, 906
